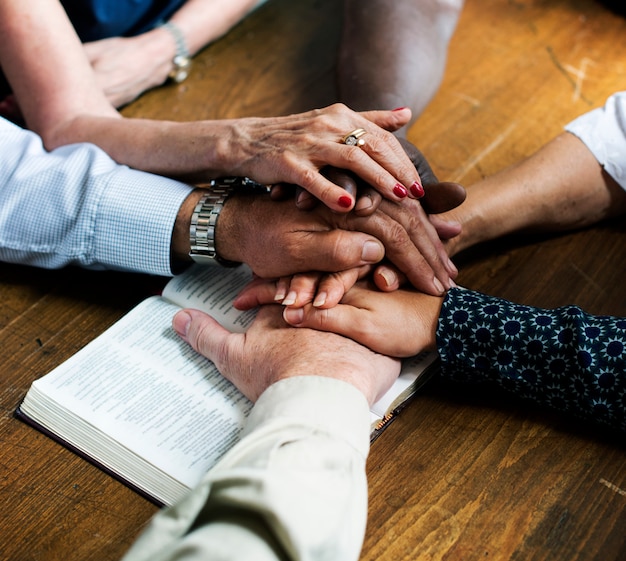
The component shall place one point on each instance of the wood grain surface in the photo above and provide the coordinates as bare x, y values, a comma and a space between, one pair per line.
460, 475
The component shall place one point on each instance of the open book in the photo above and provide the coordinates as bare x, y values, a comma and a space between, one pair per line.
141, 404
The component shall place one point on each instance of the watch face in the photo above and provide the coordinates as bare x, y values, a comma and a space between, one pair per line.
182, 67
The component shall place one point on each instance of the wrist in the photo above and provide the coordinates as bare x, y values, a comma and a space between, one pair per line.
181, 245
432, 311
237, 222
180, 57
204, 223
226, 209
183, 236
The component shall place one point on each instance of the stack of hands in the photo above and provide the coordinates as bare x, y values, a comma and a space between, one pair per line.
364, 285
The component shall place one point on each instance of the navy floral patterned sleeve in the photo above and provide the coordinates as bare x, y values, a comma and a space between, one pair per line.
564, 358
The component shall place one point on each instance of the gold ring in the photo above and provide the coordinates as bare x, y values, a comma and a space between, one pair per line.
354, 138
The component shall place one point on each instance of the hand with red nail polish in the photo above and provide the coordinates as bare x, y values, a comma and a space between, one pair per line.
276, 239
423, 260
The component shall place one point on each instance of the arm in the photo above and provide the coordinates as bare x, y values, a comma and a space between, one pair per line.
127, 66
74, 205
571, 182
564, 358
294, 487
393, 54
57, 91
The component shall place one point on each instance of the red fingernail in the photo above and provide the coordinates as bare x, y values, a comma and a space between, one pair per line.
417, 190
399, 108
345, 201
400, 191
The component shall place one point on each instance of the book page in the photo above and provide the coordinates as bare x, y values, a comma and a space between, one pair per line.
408, 381
146, 388
212, 290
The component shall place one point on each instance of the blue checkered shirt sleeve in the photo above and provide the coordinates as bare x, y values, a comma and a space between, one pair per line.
76, 206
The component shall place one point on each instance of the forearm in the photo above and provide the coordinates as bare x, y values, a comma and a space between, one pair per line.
47, 68
293, 488
560, 187
393, 54
562, 358
189, 151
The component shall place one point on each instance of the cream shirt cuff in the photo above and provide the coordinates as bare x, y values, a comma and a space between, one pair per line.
295, 484
331, 405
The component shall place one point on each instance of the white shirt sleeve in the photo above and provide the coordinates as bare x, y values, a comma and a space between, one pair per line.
293, 488
76, 206
603, 131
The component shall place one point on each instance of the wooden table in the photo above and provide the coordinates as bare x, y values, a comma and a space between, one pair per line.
460, 475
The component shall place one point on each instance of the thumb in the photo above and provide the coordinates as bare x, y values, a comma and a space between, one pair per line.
203, 333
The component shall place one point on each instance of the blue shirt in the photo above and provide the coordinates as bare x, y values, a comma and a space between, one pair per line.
100, 19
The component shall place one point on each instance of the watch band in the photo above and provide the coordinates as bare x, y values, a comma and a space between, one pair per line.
182, 58
203, 222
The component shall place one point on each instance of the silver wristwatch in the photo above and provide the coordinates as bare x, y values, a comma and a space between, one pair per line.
204, 218
182, 58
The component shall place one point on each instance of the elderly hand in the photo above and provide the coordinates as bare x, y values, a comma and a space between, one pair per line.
270, 351
276, 239
294, 149
326, 289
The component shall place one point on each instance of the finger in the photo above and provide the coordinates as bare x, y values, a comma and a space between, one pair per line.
411, 244
342, 178
367, 199
419, 161
446, 229
255, 294
304, 199
302, 289
282, 286
204, 334
367, 202
281, 191
341, 319
337, 250
442, 197
405, 150
346, 180
331, 288
390, 172
425, 237
436, 254
388, 278
348, 320
389, 120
